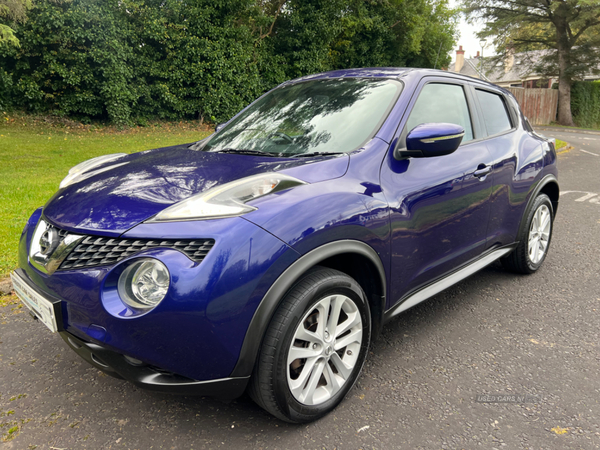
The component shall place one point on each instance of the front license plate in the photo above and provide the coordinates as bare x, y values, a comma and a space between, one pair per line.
41, 307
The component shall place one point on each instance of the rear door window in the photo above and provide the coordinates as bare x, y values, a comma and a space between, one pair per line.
495, 114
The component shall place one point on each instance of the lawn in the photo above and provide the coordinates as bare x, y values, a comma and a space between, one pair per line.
35, 156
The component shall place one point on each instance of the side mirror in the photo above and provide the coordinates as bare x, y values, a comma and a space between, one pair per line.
432, 139
220, 126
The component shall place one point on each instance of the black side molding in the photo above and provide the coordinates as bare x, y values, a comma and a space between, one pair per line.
442, 283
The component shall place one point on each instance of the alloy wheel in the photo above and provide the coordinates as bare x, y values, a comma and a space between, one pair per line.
324, 350
539, 234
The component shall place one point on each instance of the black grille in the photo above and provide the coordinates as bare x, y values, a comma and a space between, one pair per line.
99, 251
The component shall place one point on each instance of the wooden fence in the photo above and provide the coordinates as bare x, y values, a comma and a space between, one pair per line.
538, 105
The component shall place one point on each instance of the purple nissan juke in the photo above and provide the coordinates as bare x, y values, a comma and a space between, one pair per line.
266, 257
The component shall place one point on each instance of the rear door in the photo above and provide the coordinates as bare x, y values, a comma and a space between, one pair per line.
439, 206
509, 149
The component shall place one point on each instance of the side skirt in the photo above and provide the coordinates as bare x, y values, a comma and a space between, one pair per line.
447, 281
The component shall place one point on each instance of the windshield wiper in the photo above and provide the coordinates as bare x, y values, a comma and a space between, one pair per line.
243, 151
302, 155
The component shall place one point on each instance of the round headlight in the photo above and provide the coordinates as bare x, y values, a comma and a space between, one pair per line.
144, 284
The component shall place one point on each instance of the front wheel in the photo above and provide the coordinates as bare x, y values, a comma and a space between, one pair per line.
534, 238
314, 347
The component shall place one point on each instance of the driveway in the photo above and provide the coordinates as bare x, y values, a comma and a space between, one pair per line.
498, 361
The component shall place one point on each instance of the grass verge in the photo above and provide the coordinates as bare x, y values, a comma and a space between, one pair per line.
37, 153
560, 144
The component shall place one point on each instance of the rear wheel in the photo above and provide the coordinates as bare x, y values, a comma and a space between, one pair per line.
314, 347
534, 238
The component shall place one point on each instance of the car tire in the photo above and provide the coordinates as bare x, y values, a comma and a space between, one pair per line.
534, 238
300, 390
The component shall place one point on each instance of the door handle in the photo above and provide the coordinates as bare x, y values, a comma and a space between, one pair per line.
482, 170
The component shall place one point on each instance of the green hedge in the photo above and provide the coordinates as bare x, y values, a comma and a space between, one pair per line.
127, 61
585, 103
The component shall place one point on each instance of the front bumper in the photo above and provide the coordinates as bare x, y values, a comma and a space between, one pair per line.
127, 368
150, 377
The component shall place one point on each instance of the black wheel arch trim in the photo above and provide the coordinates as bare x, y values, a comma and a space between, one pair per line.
550, 178
264, 313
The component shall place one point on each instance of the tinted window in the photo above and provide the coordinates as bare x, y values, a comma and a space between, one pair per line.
336, 115
442, 103
494, 112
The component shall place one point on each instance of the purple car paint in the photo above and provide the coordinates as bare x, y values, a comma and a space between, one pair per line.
416, 207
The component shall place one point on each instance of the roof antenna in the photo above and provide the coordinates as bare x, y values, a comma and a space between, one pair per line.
438, 55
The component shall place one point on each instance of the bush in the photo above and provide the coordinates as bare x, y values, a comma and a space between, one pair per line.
127, 61
585, 103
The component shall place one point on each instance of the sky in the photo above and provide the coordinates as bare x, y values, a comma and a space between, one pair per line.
467, 37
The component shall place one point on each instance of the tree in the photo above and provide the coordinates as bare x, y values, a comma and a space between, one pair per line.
195, 59
567, 27
12, 11
317, 35
73, 59
397, 33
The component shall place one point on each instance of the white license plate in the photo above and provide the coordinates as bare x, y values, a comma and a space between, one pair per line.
42, 308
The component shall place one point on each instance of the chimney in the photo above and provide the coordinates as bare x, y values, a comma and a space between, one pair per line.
460, 59
477, 56
510, 59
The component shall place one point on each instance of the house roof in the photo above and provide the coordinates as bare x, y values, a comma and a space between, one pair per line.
523, 67
494, 71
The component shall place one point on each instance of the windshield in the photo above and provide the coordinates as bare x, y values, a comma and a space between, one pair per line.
320, 116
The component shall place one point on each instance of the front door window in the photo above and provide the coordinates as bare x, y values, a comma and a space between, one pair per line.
442, 103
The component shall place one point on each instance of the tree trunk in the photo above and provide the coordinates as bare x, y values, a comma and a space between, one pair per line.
564, 79
564, 91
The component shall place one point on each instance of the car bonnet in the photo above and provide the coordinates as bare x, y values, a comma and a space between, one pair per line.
143, 184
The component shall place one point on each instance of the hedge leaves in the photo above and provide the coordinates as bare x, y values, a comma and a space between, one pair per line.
131, 60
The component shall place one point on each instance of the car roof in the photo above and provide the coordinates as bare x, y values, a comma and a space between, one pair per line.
390, 72
367, 72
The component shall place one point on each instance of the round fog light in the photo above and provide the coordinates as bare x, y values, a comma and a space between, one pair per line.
144, 284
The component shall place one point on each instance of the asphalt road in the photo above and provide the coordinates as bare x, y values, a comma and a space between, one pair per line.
495, 333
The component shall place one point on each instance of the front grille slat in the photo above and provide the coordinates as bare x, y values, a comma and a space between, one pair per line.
95, 251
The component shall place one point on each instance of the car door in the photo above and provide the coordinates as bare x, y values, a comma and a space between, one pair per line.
439, 205
517, 161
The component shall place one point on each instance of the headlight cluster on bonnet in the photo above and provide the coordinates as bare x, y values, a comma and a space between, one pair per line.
228, 199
